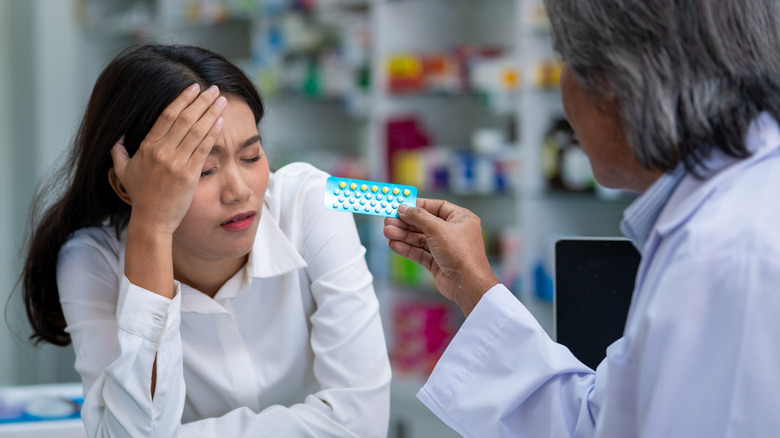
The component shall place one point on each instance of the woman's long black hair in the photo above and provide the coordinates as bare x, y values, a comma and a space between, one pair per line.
129, 95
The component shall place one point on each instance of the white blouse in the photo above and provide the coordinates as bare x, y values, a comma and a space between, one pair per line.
290, 346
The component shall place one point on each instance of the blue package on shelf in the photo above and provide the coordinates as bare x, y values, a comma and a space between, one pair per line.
23, 405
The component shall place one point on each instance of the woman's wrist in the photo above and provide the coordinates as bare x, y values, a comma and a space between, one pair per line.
149, 258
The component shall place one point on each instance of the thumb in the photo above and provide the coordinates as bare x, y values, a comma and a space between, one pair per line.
119, 155
419, 217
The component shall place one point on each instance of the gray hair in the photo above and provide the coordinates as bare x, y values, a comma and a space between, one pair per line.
688, 76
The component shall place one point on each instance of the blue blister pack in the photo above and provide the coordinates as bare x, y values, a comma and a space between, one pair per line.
367, 197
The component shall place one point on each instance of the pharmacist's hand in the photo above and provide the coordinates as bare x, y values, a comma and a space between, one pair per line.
447, 240
159, 180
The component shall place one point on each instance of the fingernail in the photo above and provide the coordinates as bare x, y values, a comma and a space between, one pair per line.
219, 122
213, 89
402, 208
194, 87
221, 101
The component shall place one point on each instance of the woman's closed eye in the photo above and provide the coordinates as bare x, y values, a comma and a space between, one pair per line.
253, 159
213, 169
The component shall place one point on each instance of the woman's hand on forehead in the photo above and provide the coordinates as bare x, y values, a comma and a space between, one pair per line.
160, 179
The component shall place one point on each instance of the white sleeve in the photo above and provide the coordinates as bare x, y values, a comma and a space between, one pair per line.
116, 338
350, 352
502, 376
117, 335
115, 359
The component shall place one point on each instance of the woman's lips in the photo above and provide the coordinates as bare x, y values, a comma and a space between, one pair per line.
239, 222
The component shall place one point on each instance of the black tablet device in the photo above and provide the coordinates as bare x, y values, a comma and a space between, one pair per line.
594, 281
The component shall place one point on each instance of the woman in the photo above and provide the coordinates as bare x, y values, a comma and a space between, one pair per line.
679, 101
204, 295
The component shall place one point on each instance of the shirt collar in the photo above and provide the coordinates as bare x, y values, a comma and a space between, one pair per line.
640, 216
762, 139
677, 194
272, 253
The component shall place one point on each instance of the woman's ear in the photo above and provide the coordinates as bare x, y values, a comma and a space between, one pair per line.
118, 187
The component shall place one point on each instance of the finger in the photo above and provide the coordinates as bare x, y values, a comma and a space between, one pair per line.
203, 134
392, 221
438, 207
188, 119
119, 156
413, 238
430, 214
417, 255
421, 218
395, 222
169, 115
202, 151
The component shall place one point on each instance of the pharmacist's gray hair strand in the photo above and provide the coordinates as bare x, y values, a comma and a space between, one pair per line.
688, 75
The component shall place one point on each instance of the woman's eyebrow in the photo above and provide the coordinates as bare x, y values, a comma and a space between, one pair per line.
218, 149
250, 141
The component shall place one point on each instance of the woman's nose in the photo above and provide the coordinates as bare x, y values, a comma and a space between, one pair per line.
235, 188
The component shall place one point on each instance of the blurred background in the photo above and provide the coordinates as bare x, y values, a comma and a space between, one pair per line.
457, 97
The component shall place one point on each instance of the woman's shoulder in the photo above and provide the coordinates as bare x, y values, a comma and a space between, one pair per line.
297, 172
89, 257
295, 180
104, 239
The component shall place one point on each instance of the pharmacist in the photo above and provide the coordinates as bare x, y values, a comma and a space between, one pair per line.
678, 101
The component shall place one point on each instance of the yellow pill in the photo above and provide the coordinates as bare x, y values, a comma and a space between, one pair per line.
364, 187
342, 184
374, 189
407, 192
353, 186
396, 191
385, 190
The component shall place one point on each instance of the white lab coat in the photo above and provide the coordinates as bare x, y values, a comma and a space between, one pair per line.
700, 354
